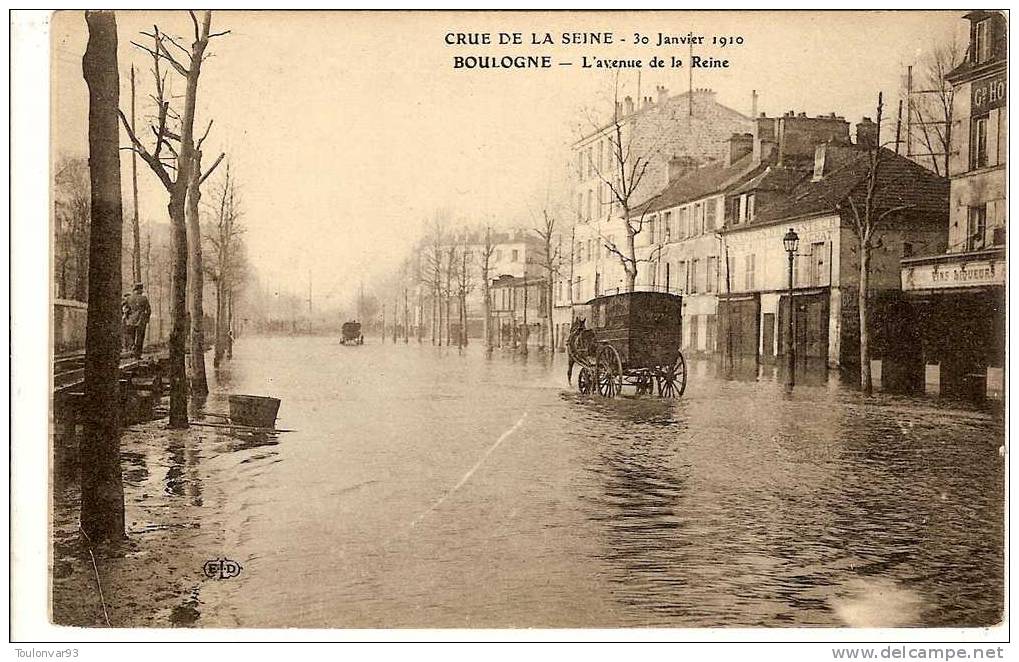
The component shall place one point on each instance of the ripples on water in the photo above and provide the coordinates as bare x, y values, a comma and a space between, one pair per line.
736, 505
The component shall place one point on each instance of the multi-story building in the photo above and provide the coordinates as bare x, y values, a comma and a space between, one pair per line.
826, 269
670, 134
959, 295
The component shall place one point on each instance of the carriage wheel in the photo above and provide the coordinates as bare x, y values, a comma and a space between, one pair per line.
609, 372
585, 382
672, 379
645, 384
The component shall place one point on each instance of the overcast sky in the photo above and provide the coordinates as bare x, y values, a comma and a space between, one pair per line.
349, 131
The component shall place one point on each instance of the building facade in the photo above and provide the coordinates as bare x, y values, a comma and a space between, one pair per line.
672, 135
958, 295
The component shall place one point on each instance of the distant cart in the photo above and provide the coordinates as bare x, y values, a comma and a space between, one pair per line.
629, 339
351, 334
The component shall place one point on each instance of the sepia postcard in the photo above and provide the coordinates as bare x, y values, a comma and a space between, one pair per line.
626, 321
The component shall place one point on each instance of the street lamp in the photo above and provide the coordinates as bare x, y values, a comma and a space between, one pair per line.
791, 241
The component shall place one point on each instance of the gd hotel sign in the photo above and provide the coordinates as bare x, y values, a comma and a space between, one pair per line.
988, 94
943, 275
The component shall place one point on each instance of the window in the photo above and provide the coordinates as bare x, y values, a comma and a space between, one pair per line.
597, 284
651, 230
712, 282
978, 142
590, 162
710, 212
684, 220
750, 207
681, 276
580, 207
590, 199
742, 208
589, 256
982, 41
498, 255
817, 263
601, 165
730, 274
749, 264
668, 277
695, 268
976, 228
667, 224
516, 255
580, 251
907, 249
697, 223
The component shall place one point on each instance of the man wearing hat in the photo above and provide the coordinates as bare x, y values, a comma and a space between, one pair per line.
138, 312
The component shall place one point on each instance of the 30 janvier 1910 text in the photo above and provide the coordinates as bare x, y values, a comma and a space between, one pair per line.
587, 39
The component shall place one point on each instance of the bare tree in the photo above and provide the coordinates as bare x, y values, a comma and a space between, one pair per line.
433, 275
447, 290
71, 198
181, 162
623, 176
136, 254
868, 223
465, 285
224, 239
102, 488
931, 105
484, 263
548, 260
196, 278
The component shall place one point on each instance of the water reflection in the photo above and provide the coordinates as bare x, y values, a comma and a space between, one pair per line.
734, 505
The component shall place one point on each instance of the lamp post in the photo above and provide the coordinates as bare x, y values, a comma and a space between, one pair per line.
791, 241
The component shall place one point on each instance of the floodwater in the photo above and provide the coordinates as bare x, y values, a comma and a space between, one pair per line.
423, 487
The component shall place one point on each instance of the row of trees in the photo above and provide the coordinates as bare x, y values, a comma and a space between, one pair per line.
451, 264
173, 151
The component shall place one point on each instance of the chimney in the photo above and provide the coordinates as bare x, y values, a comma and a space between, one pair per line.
798, 135
753, 103
619, 109
679, 166
764, 138
866, 133
628, 105
663, 94
829, 156
740, 144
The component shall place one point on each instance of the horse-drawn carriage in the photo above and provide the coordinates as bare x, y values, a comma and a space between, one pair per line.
629, 339
351, 334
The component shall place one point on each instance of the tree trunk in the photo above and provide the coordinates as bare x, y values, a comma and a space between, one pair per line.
488, 315
196, 281
178, 194
102, 488
420, 315
178, 313
549, 335
630, 264
863, 306
217, 355
230, 324
136, 261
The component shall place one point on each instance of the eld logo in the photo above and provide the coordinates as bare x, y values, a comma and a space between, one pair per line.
221, 569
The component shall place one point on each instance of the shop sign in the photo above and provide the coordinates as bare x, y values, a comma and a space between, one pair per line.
988, 94
940, 275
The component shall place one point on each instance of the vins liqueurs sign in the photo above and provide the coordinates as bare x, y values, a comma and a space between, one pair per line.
989, 93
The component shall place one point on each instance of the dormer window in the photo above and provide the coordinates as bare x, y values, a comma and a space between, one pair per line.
982, 41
